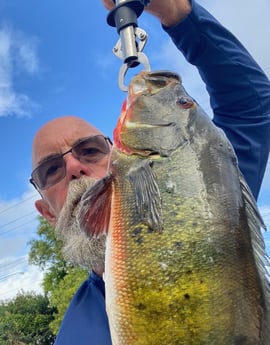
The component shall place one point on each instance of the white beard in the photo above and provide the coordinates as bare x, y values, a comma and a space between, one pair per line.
79, 249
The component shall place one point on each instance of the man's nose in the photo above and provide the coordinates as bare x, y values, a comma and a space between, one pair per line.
74, 168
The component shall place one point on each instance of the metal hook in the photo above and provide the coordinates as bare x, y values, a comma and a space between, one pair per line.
142, 59
132, 38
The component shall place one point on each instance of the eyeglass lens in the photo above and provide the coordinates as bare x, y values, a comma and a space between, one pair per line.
89, 151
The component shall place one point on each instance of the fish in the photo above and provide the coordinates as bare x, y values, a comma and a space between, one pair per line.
185, 260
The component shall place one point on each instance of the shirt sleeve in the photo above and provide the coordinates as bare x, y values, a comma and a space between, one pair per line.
239, 90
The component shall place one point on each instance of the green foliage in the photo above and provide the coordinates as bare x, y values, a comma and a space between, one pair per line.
61, 280
25, 320
46, 250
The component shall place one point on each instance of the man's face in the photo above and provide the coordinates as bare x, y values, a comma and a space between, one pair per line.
63, 182
55, 138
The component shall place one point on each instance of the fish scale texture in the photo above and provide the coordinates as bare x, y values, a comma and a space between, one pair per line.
188, 284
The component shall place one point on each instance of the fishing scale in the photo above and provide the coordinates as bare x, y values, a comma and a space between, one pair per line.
132, 39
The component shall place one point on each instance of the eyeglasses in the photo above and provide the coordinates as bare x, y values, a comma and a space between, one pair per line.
53, 169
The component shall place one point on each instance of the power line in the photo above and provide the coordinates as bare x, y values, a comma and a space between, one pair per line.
19, 218
18, 203
6, 276
19, 226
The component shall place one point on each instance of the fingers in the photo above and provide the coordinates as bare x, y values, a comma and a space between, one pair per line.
109, 4
169, 12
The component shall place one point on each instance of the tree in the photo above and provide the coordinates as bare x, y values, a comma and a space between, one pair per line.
61, 279
45, 252
25, 320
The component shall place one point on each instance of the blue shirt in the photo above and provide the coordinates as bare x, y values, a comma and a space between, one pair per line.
240, 97
85, 321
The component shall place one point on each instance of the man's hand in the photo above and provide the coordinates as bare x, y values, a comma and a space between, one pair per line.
169, 12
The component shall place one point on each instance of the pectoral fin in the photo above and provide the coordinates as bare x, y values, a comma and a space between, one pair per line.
148, 200
95, 208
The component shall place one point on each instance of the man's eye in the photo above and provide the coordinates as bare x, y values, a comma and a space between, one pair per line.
52, 170
90, 151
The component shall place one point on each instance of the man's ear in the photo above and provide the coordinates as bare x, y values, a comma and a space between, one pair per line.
44, 209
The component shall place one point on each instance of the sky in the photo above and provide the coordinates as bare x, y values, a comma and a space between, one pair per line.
56, 59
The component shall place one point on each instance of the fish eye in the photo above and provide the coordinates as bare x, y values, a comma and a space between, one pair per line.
185, 102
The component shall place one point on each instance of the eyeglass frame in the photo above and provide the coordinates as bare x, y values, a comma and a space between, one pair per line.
61, 155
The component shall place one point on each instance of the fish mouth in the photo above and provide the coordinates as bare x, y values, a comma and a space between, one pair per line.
142, 87
162, 74
148, 83
151, 82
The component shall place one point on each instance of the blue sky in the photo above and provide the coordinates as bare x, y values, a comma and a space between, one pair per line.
55, 59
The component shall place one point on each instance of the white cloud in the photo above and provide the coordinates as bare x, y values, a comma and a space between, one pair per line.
16, 276
12, 245
17, 55
26, 53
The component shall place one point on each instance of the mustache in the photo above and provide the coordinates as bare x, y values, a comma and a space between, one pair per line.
78, 249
